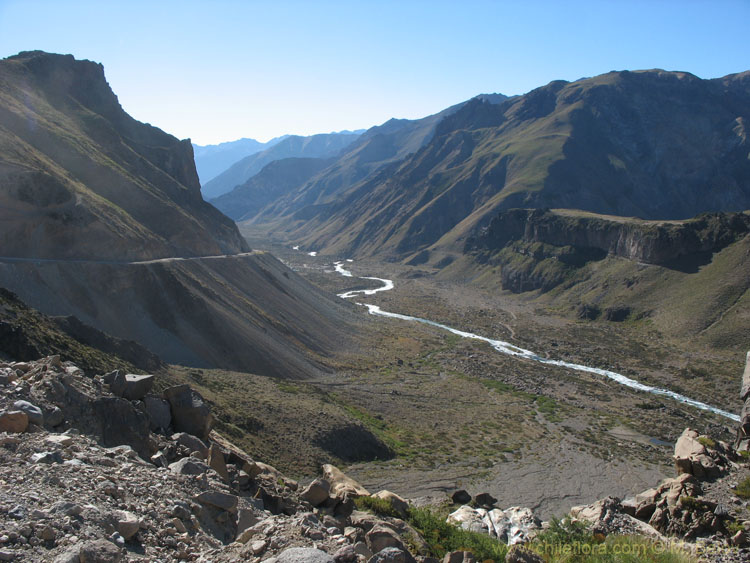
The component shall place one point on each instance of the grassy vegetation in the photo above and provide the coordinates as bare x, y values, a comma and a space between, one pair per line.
442, 537
566, 541
743, 489
379, 506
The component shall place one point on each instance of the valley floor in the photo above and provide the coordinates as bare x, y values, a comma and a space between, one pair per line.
457, 414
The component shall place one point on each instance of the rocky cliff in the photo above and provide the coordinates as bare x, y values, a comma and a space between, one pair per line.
81, 179
651, 242
521, 239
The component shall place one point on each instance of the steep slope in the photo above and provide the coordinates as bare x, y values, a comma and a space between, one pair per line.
102, 218
377, 148
247, 313
316, 146
656, 144
277, 179
82, 179
212, 160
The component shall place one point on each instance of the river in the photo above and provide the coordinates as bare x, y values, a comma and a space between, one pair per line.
511, 350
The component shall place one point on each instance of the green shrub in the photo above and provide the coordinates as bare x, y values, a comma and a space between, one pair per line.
442, 537
706, 441
379, 506
743, 488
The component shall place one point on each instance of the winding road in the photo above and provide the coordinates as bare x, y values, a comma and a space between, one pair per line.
511, 350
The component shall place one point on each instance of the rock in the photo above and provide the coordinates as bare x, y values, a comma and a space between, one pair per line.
245, 519
14, 421
745, 391
316, 493
485, 500
59, 439
128, 524
100, 551
46, 457
192, 443
189, 412
341, 484
461, 497
54, 417
361, 548
32, 411
346, 554
470, 519
67, 508
158, 411
217, 462
399, 504
607, 517
131, 386
220, 500
188, 466
47, 533
121, 423
645, 504
303, 555
519, 554
459, 557
690, 456
740, 539
390, 555
380, 537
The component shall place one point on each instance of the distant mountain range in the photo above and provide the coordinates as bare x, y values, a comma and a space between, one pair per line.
652, 144
212, 160
324, 145
101, 217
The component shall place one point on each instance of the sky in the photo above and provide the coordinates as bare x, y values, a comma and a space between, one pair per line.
220, 70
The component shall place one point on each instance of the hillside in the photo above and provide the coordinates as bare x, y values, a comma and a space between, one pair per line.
653, 144
83, 180
373, 151
102, 219
324, 145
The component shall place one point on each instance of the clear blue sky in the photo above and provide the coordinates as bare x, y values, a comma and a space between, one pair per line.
220, 70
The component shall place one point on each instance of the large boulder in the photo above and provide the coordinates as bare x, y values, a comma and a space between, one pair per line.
341, 484
131, 386
121, 423
14, 421
316, 493
303, 555
32, 411
159, 414
188, 466
691, 456
381, 537
100, 551
511, 526
189, 412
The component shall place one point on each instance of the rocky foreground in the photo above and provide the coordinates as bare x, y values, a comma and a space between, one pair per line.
104, 469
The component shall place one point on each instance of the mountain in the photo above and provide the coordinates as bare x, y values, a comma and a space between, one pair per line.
275, 180
316, 146
82, 179
103, 219
653, 144
212, 160
376, 148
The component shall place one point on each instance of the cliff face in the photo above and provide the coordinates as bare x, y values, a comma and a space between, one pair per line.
82, 179
537, 247
643, 241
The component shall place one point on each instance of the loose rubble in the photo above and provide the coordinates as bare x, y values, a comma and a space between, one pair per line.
100, 468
